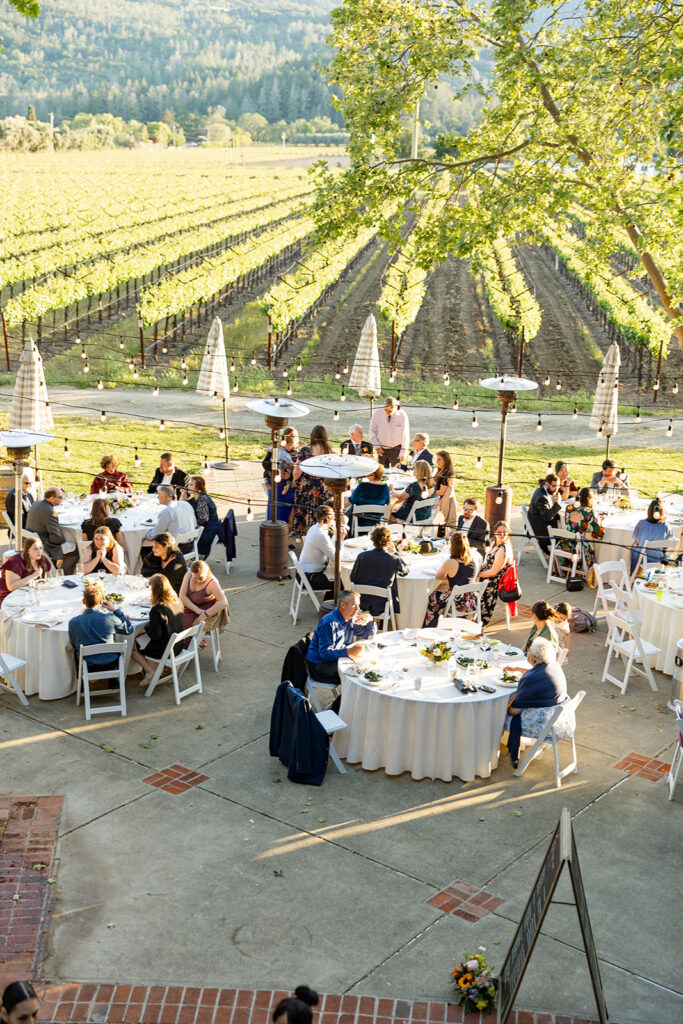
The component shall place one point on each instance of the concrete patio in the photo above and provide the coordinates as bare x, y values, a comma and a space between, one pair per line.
248, 881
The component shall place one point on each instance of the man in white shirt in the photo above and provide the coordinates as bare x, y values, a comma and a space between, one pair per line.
176, 517
390, 433
318, 551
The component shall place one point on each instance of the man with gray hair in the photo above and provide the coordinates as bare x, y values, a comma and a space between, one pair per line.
42, 519
543, 686
176, 517
421, 451
355, 444
334, 637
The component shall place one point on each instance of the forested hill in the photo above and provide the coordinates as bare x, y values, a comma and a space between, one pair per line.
140, 58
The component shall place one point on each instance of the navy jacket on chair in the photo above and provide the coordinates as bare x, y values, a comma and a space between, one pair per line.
297, 737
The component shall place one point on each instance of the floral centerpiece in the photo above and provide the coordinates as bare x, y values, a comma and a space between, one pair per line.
476, 987
120, 504
437, 652
622, 501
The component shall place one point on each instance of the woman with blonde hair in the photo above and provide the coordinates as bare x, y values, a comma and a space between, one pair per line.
103, 554
201, 595
420, 488
456, 571
111, 478
165, 619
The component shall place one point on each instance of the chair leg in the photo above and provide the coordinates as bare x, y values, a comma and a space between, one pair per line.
14, 686
86, 697
122, 688
675, 770
336, 760
558, 776
215, 649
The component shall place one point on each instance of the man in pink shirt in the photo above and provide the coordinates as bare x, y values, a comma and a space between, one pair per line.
390, 433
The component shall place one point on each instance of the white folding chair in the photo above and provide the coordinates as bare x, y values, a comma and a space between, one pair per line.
214, 638
175, 664
429, 503
623, 638
626, 606
528, 537
190, 537
560, 725
385, 593
331, 723
573, 562
649, 545
677, 759
83, 546
28, 533
8, 666
378, 512
87, 673
312, 687
562, 656
604, 594
301, 583
450, 611
9, 524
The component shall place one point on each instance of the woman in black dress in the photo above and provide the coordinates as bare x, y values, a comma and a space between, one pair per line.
165, 619
165, 558
100, 515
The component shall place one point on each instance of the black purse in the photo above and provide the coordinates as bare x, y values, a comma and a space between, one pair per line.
510, 596
574, 583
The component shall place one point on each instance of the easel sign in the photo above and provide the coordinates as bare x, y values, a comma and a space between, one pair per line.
562, 850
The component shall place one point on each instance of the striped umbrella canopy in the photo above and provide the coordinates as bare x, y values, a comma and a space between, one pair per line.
213, 376
604, 415
30, 408
366, 376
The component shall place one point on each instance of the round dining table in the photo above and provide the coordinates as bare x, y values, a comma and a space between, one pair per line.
34, 626
619, 525
434, 731
662, 623
135, 520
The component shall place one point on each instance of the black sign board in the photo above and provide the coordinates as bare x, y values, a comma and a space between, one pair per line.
562, 850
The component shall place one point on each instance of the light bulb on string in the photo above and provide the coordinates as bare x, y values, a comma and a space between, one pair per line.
135, 373
67, 453
599, 433
499, 499
185, 379
131, 364
576, 412
342, 397
638, 416
513, 408
479, 463
398, 398
346, 367
276, 403
674, 390
232, 366
447, 381
475, 421
221, 433
86, 367
83, 352
250, 514
549, 468
234, 388
299, 366
670, 428
253, 360
392, 377
103, 416
162, 425
547, 379
206, 464
183, 364
285, 372
278, 477
445, 375
558, 386
121, 344
655, 386
289, 390
100, 385
155, 393
337, 374
456, 403
539, 425
336, 416
164, 349
136, 461
602, 379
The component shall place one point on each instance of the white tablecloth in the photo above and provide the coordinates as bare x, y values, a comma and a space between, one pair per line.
662, 623
50, 668
135, 522
619, 527
436, 732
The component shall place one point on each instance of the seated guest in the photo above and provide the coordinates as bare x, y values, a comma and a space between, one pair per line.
27, 565
165, 619
318, 551
103, 553
580, 518
567, 489
100, 623
544, 510
419, 489
378, 567
111, 478
334, 635
165, 559
542, 686
458, 570
543, 616
26, 500
205, 512
608, 480
167, 473
370, 492
419, 451
475, 528
444, 490
99, 516
202, 596
42, 519
176, 517
653, 527
355, 445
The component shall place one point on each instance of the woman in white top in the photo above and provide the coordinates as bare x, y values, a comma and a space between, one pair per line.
103, 554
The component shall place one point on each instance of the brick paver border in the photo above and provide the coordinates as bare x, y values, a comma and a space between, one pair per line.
643, 766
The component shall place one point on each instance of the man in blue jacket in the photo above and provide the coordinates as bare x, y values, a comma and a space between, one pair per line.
333, 637
100, 623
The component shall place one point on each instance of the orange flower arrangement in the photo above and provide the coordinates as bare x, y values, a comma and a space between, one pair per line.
476, 985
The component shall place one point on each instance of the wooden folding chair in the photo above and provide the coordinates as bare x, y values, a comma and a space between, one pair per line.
550, 736
528, 537
175, 664
87, 673
624, 639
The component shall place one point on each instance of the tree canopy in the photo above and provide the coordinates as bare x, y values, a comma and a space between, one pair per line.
583, 111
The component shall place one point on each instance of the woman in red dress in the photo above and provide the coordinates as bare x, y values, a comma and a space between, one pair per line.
111, 478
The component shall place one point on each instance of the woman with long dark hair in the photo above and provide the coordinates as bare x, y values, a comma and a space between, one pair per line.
19, 1004
309, 491
296, 1009
21, 569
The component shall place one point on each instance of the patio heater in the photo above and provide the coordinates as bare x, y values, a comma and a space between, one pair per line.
274, 535
18, 444
499, 496
336, 470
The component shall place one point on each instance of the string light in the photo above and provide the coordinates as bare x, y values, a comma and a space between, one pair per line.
234, 388
100, 385
475, 422
206, 463
342, 397
135, 373
162, 425
250, 514
183, 364
289, 390
499, 499
539, 425
576, 412
398, 398
276, 403
131, 364
558, 386
599, 433
346, 367
392, 377
285, 372
136, 461
337, 374
164, 349
547, 379
674, 390
221, 433
479, 463
103, 416
86, 367
456, 403
513, 408
185, 380
253, 360
299, 366
83, 352
336, 416
155, 393
638, 416
670, 428
67, 453
121, 344
656, 385
278, 477
447, 381
232, 366
550, 466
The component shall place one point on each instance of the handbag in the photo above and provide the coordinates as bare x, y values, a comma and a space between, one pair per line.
509, 590
574, 583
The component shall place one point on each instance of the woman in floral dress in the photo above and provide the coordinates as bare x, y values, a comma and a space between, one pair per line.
309, 491
493, 567
579, 517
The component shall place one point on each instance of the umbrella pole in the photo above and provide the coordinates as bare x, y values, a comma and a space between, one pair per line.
39, 472
18, 506
609, 438
225, 431
372, 405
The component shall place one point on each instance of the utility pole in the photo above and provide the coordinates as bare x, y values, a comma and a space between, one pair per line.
416, 130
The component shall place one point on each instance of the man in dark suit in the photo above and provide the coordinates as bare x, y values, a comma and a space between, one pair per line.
42, 519
26, 500
420, 451
167, 473
544, 510
609, 480
354, 444
378, 567
475, 528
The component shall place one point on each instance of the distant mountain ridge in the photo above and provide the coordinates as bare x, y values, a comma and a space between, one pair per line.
141, 58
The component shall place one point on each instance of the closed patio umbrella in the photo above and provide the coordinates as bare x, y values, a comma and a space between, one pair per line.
366, 376
213, 378
604, 417
30, 408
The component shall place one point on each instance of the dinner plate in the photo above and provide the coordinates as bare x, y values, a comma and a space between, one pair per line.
41, 616
501, 682
464, 645
433, 635
511, 652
